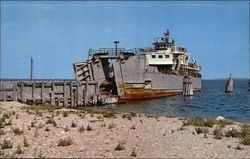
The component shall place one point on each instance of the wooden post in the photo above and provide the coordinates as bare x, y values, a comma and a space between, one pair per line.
71, 94
187, 86
86, 94
33, 91
96, 94
15, 92
52, 98
78, 94
64, 94
42, 92
21, 92
4, 95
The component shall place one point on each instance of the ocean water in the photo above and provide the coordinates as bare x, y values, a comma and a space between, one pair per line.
211, 102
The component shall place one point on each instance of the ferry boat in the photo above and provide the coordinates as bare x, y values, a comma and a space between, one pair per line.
140, 73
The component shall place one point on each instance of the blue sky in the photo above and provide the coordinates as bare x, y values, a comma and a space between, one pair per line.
57, 34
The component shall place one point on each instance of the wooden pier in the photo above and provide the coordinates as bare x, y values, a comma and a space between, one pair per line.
65, 93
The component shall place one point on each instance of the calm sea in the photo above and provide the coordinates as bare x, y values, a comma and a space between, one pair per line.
211, 102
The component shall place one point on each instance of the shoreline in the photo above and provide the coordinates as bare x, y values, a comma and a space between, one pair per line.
51, 132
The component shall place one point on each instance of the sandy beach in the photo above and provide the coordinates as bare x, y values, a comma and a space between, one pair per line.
59, 132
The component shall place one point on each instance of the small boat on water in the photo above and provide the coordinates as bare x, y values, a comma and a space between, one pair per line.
229, 85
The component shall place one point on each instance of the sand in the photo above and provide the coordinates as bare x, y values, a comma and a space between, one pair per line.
141, 136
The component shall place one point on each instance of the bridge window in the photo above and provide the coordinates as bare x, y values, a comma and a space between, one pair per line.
160, 56
153, 56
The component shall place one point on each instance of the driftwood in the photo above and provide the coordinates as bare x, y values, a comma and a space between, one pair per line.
229, 85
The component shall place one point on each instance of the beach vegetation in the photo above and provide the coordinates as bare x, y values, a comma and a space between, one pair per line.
8, 122
245, 130
81, 129
109, 115
19, 150
51, 121
40, 125
133, 154
132, 127
1, 152
120, 147
2, 132
112, 125
233, 133
7, 144
6, 116
89, 128
65, 114
133, 114
73, 124
49, 108
217, 133
66, 129
239, 147
201, 130
245, 140
2, 122
39, 113
47, 129
65, 142
198, 121
25, 142
17, 131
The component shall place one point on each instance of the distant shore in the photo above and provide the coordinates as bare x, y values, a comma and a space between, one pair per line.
44, 131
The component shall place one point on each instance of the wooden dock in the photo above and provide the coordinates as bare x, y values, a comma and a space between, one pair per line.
67, 93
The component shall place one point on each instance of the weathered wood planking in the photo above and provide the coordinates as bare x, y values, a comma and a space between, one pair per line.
54, 92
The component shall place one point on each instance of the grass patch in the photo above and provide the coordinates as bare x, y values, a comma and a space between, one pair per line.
2, 132
133, 154
133, 114
198, 121
8, 122
6, 144
25, 142
112, 125
201, 130
47, 129
2, 122
51, 121
65, 142
65, 114
17, 131
89, 128
81, 129
224, 122
233, 133
19, 150
6, 116
245, 140
109, 115
132, 127
120, 147
66, 129
73, 124
217, 133
42, 107
128, 116
245, 130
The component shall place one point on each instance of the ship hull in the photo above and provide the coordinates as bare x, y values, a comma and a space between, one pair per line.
136, 80
133, 93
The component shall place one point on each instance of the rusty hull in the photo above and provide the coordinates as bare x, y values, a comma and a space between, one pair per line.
134, 93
